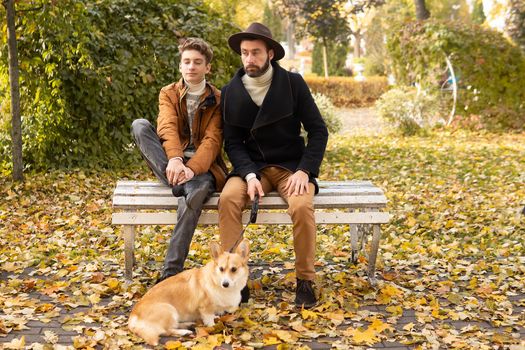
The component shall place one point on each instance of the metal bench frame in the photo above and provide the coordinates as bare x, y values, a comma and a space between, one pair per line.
342, 202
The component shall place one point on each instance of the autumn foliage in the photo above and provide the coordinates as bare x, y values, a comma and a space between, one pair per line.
451, 259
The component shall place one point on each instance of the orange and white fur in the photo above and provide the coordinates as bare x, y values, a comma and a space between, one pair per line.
197, 294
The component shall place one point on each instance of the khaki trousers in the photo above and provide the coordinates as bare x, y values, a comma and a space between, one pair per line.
233, 200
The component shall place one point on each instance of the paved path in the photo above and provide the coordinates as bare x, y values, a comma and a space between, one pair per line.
64, 326
361, 121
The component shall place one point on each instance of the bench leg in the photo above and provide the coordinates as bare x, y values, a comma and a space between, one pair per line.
354, 242
129, 248
374, 247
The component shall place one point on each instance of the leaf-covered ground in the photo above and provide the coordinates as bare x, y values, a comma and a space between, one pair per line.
451, 265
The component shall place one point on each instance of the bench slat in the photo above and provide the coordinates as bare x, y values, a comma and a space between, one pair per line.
140, 202
166, 191
211, 218
131, 183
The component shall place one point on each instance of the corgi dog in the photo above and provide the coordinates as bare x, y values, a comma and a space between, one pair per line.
172, 305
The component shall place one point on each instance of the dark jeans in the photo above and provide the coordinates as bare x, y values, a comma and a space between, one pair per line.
194, 193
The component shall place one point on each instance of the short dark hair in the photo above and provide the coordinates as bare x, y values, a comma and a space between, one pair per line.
199, 45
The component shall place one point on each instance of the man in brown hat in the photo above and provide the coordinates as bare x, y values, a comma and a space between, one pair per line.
264, 107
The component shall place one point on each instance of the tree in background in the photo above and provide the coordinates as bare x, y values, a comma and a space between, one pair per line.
240, 12
454, 10
359, 15
321, 19
336, 59
16, 121
273, 20
515, 24
328, 22
422, 12
478, 12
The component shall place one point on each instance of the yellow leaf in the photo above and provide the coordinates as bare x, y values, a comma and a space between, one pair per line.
307, 314
271, 341
391, 290
411, 222
215, 340
285, 336
94, 299
396, 310
335, 317
113, 283
409, 327
172, 345
378, 326
360, 337
16, 343
274, 250
249, 322
245, 336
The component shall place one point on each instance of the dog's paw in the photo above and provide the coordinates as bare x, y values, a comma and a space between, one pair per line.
180, 332
232, 309
208, 320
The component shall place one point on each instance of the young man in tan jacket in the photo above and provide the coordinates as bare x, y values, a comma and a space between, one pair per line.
185, 150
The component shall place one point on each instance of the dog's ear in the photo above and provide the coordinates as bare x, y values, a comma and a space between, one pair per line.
243, 249
215, 250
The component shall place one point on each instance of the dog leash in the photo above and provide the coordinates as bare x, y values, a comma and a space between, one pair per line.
253, 219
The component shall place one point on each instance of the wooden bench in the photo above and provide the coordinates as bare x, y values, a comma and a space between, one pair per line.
349, 202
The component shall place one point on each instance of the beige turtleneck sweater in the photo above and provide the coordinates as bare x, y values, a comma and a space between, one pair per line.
192, 103
259, 86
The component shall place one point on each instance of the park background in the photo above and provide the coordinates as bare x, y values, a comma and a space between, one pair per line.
423, 98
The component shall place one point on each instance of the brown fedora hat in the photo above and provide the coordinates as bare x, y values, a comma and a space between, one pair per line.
256, 31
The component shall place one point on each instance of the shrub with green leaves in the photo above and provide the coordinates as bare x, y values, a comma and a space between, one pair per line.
490, 69
89, 68
329, 113
409, 110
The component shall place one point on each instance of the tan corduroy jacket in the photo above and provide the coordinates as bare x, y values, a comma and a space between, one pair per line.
174, 133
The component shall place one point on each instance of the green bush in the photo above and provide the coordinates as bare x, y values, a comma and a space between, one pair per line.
490, 70
347, 92
88, 68
410, 111
329, 113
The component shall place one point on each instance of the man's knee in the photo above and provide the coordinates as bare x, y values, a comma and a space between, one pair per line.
300, 205
139, 126
233, 194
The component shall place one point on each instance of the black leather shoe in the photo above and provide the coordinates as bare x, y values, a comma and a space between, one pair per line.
245, 294
305, 294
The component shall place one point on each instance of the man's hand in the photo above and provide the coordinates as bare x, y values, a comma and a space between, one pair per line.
254, 187
297, 184
177, 173
186, 175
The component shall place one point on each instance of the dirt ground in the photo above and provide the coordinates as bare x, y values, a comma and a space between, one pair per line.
361, 121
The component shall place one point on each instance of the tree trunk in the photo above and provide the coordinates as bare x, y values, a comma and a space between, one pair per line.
291, 39
357, 44
422, 12
16, 122
325, 61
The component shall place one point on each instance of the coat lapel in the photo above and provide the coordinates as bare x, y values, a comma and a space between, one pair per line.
240, 110
278, 103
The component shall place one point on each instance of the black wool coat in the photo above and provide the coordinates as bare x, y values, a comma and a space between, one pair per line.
270, 135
